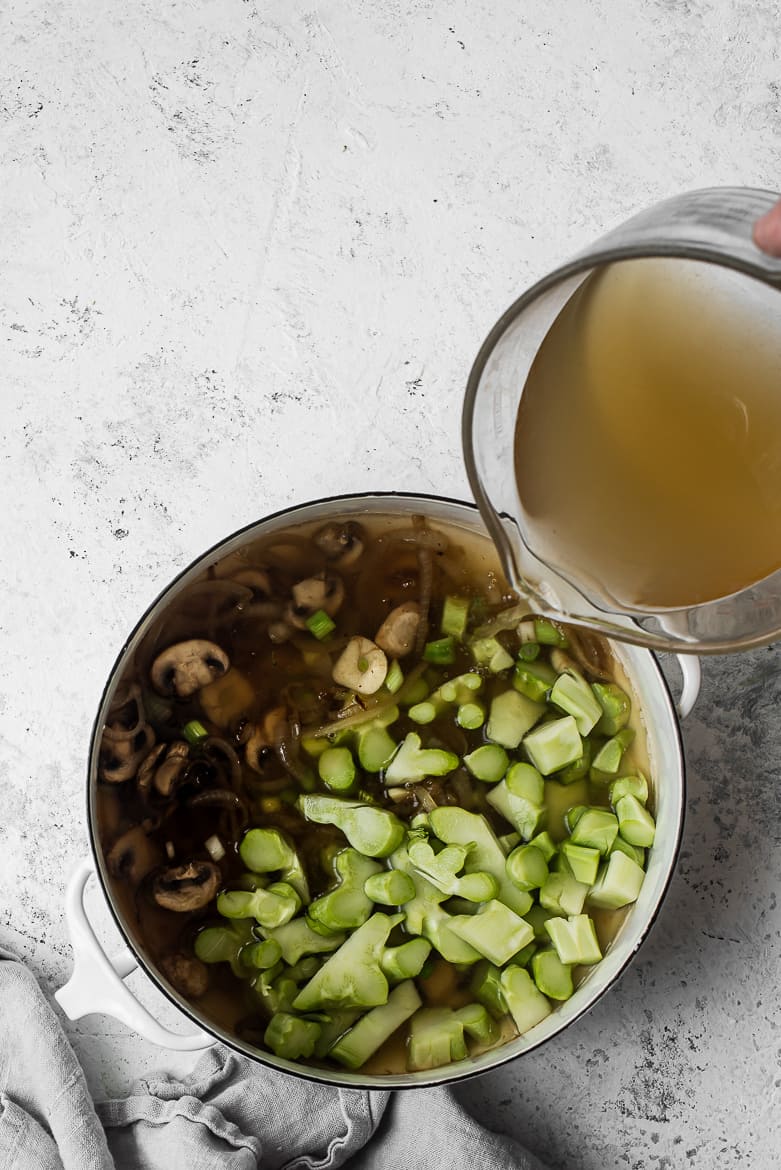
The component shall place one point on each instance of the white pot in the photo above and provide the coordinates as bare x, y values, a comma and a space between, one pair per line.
96, 984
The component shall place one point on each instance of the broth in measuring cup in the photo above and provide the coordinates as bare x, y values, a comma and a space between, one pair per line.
329, 671
648, 437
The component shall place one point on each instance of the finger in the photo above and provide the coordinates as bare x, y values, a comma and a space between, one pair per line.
767, 231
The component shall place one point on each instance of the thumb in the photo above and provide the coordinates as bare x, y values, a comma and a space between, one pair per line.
767, 231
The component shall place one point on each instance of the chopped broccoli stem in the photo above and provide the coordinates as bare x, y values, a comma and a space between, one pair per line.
526, 1003
635, 823
352, 977
575, 939
470, 716
261, 955
333, 1024
297, 938
537, 917
597, 828
553, 745
488, 763
544, 842
618, 884
223, 944
574, 772
271, 907
456, 826
441, 652
291, 1037
635, 785
268, 851
477, 1023
413, 763
304, 969
375, 748
391, 887
347, 905
486, 987
534, 679
519, 798
549, 633
425, 916
583, 861
573, 815
275, 991
573, 695
495, 931
633, 851
441, 870
423, 713
616, 707
455, 615
562, 893
405, 961
355, 1047
607, 760
511, 716
490, 652
375, 832
553, 978
394, 679
526, 867
436, 1038
336, 768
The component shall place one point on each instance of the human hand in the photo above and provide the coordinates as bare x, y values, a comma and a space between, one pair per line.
767, 231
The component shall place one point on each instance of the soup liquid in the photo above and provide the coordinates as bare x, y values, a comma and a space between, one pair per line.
648, 440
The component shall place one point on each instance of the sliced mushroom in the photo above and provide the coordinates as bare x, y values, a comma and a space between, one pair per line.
186, 887
324, 591
342, 544
184, 668
261, 739
163, 768
362, 666
257, 580
120, 758
126, 714
132, 856
186, 973
398, 633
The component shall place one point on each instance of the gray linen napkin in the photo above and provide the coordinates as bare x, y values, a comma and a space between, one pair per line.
229, 1114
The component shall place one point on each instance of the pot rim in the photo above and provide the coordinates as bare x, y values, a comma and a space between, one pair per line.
448, 1074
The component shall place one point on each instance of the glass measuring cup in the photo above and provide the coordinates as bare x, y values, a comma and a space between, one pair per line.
711, 226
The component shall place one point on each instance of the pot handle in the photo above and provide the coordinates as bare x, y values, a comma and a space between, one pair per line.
691, 672
96, 982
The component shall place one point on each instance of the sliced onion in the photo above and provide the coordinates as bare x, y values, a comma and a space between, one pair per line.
214, 847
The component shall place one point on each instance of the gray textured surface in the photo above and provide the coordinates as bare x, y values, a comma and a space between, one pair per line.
248, 252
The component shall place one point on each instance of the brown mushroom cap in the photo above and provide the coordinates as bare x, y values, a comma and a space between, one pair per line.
163, 767
324, 591
263, 737
133, 856
186, 887
120, 758
186, 973
185, 667
342, 544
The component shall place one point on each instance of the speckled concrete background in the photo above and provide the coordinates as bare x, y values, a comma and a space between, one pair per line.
248, 252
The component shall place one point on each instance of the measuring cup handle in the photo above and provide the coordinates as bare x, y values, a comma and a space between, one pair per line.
96, 983
691, 672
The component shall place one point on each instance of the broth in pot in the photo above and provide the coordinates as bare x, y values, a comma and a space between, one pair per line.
361, 807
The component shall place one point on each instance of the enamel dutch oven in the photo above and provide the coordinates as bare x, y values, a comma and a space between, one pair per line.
97, 983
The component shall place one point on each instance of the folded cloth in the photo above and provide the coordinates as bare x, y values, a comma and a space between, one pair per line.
230, 1113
